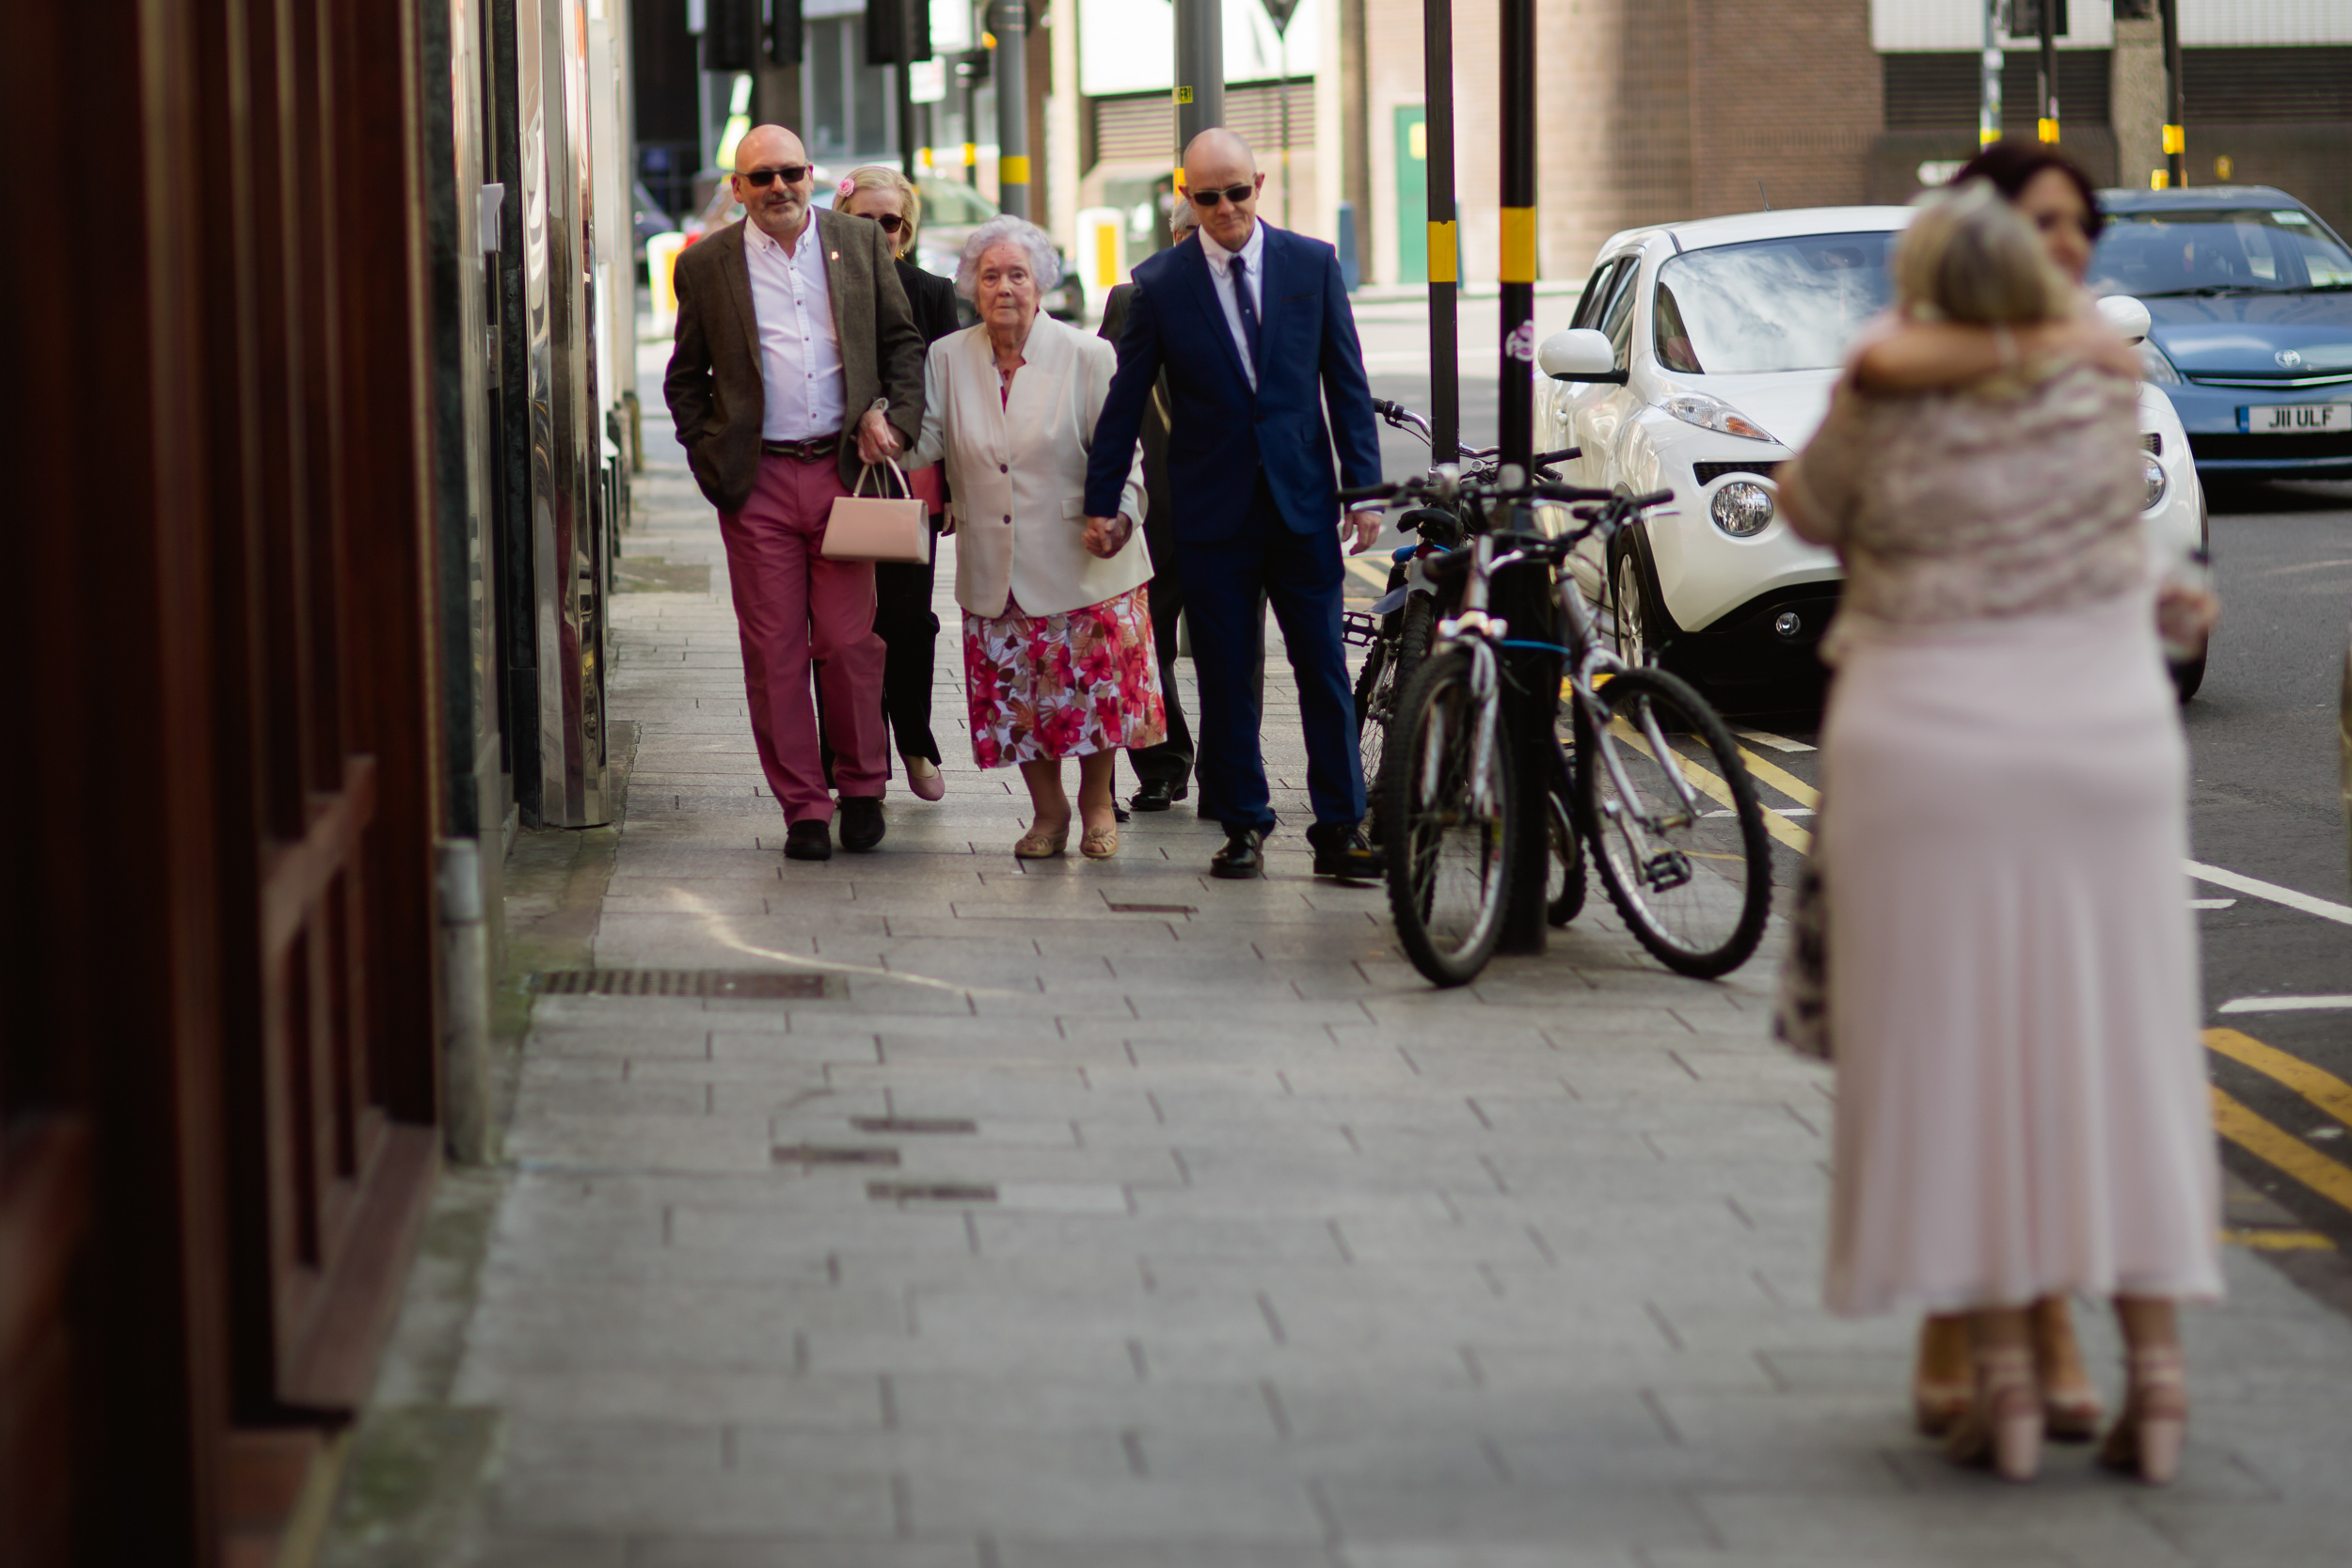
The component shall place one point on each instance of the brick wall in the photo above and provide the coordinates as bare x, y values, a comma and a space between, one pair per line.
1646, 113
1785, 91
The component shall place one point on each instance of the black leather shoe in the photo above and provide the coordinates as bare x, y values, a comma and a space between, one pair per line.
1342, 852
808, 841
1240, 856
861, 821
1156, 795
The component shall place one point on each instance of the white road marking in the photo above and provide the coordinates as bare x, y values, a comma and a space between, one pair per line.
2210, 903
1785, 811
2288, 1005
1777, 742
2341, 913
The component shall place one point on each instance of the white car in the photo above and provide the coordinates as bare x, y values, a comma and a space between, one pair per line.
1702, 355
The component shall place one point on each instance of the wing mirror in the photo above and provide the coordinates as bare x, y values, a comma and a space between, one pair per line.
1580, 354
2126, 315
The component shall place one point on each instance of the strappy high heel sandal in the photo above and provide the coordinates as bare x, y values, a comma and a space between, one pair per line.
1942, 1388
2070, 1410
2002, 1429
2146, 1440
1043, 843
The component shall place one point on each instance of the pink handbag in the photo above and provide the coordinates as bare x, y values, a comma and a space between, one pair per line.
879, 528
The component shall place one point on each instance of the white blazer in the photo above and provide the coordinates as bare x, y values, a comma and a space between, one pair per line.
1019, 473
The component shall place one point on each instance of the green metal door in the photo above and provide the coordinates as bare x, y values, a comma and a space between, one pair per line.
1412, 195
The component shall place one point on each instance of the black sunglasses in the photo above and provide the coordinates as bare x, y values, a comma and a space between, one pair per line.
891, 223
791, 174
1234, 193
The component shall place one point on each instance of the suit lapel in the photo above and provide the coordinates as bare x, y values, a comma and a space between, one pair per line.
831, 256
1204, 287
1272, 262
739, 268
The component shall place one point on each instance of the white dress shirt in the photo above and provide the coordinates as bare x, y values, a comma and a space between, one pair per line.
1220, 262
800, 351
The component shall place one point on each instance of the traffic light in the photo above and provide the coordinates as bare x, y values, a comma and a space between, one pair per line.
783, 32
730, 33
898, 32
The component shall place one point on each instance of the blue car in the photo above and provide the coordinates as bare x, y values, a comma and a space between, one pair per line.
2250, 300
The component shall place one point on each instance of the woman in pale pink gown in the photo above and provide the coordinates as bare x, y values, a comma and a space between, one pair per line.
2012, 979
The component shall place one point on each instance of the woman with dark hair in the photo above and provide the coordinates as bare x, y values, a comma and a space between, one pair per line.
2050, 192
903, 589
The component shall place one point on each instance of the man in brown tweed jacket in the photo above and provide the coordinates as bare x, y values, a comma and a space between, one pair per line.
797, 362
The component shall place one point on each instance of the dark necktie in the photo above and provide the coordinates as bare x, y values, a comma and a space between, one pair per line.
1248, 309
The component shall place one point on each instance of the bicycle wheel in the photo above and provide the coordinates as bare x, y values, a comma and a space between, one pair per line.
1448, 805
1388, 670
1692, 876
1563, 892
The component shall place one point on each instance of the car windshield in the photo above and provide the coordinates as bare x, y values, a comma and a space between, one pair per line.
1770, 305
2196, 252
953, 206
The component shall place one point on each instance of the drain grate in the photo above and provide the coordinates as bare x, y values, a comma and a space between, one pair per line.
1154, 908
931, 1192
733, 985
810, 1154
915, 1124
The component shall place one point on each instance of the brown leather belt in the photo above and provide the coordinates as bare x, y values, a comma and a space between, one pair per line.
816, 450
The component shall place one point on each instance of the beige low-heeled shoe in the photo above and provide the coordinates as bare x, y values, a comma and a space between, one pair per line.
925, 779
1043, 843
1099, 844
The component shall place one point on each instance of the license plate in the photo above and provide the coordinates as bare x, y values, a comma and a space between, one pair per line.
2294, 418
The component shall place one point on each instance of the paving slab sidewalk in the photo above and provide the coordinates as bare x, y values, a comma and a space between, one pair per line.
1201, 1231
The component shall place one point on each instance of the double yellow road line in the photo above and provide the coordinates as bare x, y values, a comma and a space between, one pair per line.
2274, 1144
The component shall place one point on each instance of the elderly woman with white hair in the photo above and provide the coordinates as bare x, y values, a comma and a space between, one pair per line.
1058, 652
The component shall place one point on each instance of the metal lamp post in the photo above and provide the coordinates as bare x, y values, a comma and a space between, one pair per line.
1523, 592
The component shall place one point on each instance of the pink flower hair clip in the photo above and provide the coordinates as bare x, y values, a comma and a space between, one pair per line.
846, 189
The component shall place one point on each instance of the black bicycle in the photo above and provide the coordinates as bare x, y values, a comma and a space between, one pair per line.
1654, 784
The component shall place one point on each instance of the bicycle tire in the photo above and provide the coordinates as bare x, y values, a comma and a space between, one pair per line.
1449, 858
1564, 895
1647, 856
1388, 670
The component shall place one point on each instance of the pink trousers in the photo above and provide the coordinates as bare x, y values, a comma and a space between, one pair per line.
792, 606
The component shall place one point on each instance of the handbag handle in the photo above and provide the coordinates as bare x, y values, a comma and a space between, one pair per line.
905, 490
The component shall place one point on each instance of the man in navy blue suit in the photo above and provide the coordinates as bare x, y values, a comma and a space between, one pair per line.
1252, 329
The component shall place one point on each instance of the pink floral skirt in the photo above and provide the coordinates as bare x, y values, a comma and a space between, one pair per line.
1043, 687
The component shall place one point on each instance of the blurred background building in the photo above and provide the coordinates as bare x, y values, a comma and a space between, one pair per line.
1649, 112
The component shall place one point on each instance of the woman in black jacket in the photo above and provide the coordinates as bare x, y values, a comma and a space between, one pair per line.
902, 591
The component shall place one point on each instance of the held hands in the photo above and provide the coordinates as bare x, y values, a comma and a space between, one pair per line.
2186, 616
876, 441
1366, 526
1106, 536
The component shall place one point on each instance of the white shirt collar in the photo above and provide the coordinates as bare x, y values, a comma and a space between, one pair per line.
759, 238
1252, 251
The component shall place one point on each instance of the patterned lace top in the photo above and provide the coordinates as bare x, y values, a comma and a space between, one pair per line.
2004, 500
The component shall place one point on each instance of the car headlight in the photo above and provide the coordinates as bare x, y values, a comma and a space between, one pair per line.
2155, 367
1713, 412
1742, 509
2153, 473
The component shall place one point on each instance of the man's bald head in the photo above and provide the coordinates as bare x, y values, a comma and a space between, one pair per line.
1222, 148
765, 144
1218, 160
763, 159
